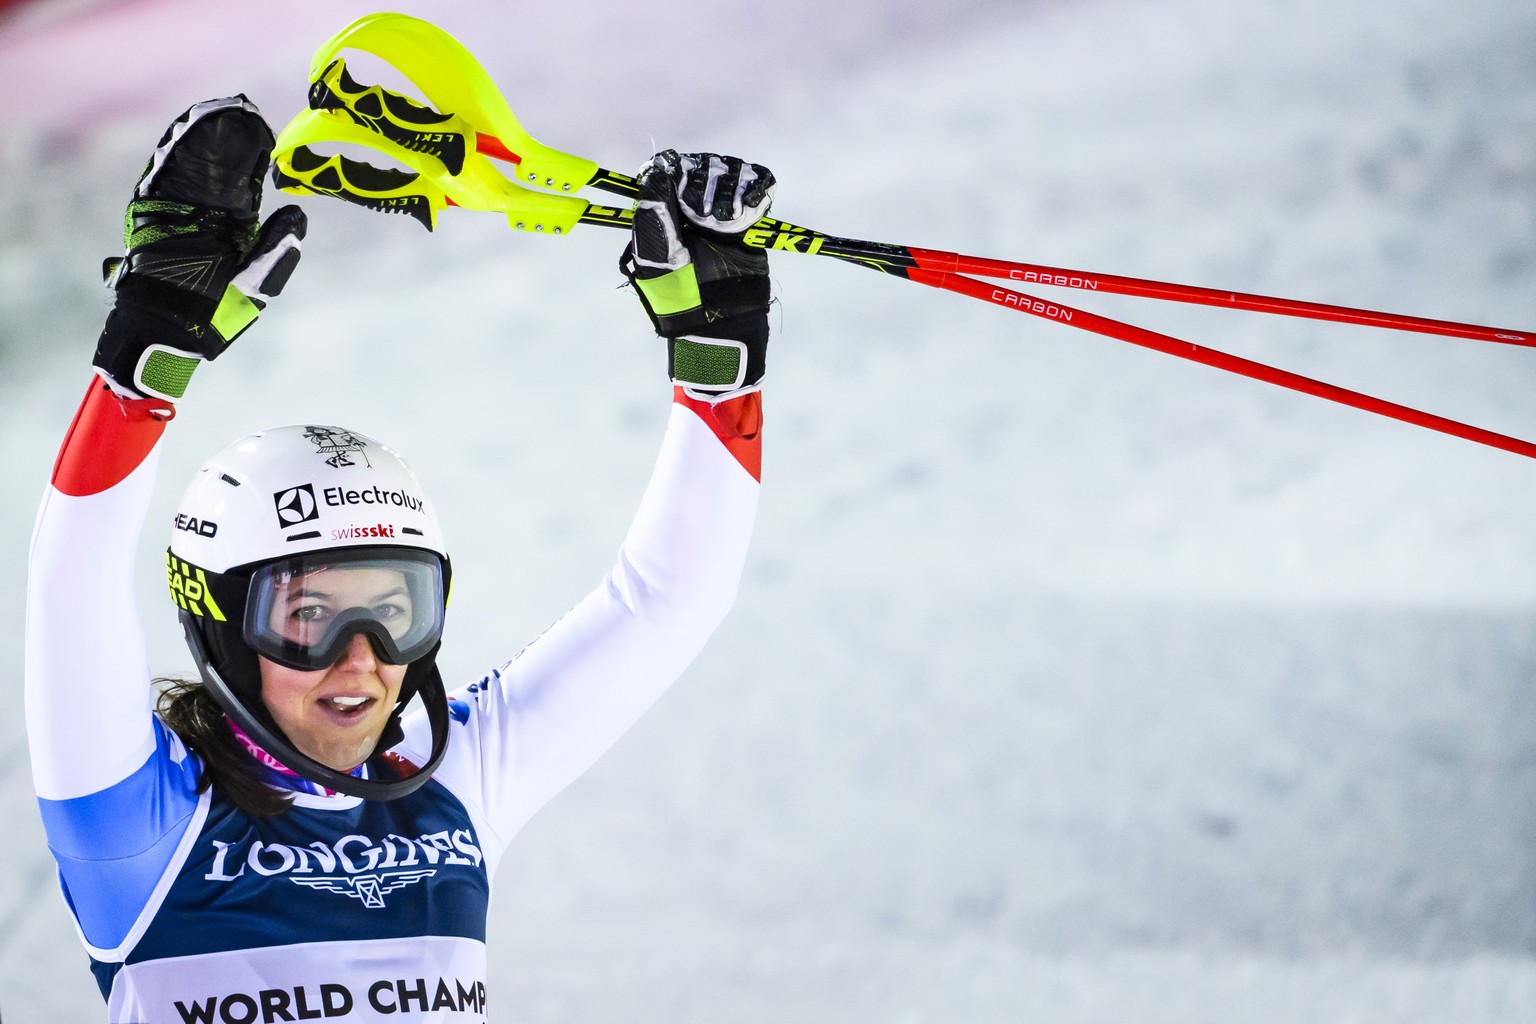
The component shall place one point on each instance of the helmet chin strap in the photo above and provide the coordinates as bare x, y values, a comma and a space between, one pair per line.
275, 743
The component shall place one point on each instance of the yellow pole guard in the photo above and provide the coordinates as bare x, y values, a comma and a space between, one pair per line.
455, 82
478, 187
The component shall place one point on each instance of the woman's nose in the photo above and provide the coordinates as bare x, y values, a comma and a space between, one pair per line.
358, 655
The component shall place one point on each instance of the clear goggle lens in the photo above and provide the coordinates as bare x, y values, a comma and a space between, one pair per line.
301, 612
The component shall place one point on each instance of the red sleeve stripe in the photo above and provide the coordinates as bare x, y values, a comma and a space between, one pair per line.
109, 439
737, 422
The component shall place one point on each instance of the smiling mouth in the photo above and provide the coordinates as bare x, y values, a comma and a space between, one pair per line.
347, 705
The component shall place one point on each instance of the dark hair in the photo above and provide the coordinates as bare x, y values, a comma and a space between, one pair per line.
189, 710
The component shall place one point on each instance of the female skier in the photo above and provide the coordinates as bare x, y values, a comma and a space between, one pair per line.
285, 840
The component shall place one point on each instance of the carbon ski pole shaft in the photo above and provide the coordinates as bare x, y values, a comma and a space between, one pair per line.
1032, 273
1107, 327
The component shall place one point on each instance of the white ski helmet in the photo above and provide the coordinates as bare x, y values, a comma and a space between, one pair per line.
283, 504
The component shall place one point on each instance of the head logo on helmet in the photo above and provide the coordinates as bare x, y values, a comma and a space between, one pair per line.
276, 504
189, 588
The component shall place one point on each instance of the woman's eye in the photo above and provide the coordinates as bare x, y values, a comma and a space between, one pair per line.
387, 612
310, 613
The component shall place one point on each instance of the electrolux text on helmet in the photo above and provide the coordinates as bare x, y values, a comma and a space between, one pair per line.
341, 496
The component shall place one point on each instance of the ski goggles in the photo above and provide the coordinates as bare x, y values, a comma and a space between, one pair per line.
302, 611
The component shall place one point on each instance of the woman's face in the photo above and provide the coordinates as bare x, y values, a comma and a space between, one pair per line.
335, 715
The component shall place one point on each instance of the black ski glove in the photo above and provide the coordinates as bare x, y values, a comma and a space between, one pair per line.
199, 269
706, 292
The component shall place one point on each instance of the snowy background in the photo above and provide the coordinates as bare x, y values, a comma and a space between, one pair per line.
1069, 682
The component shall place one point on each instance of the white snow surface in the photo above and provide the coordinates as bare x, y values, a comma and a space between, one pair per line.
1069, 682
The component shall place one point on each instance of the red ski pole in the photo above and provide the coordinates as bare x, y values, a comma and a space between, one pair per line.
1211, 357
1032, 273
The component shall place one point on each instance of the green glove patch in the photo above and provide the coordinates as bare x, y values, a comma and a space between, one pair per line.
702, 364
236, 312
164, 372
671, 294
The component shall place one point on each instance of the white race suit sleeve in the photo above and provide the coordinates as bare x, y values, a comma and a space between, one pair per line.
542, 719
